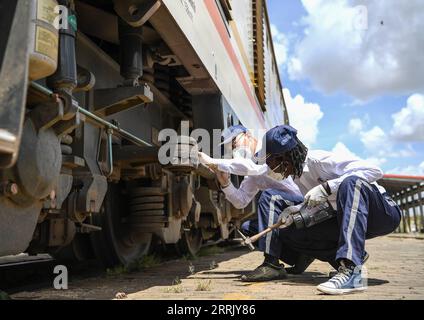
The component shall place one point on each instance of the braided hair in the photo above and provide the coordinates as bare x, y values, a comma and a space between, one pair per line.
297, 157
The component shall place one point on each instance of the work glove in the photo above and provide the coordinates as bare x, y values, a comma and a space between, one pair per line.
316, 196
205, 159
286, 217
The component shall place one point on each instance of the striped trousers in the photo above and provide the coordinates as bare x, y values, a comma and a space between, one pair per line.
270, 205
362, 213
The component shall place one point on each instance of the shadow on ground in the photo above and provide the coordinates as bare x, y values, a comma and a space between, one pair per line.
104, 286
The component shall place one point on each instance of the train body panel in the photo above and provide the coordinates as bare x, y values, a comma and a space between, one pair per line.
210, 37
83, 177
226, 49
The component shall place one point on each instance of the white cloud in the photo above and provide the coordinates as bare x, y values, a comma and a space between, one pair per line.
355, 126
280, 45
304, 116
379, 144
342, 150
336, 55
376, 141
409, 122
408, 126
409, 170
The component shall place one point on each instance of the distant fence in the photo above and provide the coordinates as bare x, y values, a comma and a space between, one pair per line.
411, 202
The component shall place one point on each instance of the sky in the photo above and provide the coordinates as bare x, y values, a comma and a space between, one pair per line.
353, 77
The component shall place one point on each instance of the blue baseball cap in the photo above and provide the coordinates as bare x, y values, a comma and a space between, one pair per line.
232, 132
281, 139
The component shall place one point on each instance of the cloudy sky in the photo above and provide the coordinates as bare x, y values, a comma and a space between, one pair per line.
353, 73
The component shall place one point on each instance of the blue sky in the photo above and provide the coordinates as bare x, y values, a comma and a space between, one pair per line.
350, 86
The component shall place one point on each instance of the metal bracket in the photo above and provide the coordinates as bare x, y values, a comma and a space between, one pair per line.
111, 101
136, 12
90, 197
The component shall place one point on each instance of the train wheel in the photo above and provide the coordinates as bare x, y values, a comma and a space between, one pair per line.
117, 243
78, 250
191, 242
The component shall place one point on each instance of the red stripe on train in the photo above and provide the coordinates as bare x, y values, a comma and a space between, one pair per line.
219, 24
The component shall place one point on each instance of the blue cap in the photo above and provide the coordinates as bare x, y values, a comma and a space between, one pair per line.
232, 132
280, 139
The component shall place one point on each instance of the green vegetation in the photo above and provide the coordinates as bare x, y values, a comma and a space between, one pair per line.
174, 289
212, 250
204, 285
176, 286
143, 263
177, 281
116, 271
4, 296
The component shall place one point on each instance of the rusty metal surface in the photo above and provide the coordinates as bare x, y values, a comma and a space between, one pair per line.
14, 80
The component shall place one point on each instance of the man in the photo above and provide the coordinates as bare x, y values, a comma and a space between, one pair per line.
244, 147
364, 210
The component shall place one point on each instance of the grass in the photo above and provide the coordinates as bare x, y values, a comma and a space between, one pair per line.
209, 251
177, 281
204, 285
174, 289
176, 286
143, 263
189, 257
4, 296
118, 270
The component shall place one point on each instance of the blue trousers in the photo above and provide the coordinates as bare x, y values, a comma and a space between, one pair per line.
363, 213
270, 205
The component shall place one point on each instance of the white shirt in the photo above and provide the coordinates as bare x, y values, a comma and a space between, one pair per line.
319, 167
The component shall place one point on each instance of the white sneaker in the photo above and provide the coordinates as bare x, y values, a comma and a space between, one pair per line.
344, 282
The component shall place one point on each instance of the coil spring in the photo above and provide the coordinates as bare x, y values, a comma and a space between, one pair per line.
147, 207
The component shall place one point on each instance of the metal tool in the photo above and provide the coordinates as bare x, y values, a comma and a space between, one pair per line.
284, 222
301, 215
245, 241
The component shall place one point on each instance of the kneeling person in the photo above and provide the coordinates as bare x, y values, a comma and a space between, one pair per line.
364, 209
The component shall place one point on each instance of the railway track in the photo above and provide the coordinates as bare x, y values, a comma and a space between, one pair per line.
23, 273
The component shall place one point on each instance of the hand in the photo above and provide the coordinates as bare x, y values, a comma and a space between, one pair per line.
316, 196
286, 217
205, 159
222, 177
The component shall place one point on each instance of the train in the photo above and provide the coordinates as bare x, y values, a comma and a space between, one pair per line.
86, 88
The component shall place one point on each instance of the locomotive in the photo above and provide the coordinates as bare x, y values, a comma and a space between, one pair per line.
87, 86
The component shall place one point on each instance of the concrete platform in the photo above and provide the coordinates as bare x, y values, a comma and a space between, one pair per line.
395, 268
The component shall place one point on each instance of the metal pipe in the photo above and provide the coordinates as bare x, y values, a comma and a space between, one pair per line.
116, 130
110, 151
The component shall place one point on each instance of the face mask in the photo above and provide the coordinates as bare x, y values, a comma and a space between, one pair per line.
242, 152
275, 175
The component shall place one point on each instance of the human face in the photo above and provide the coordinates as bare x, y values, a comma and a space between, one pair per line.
245, 141
280, 164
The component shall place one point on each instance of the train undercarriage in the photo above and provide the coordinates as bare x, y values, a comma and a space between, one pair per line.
80, 175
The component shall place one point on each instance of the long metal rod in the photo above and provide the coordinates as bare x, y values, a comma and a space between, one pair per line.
116, 130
